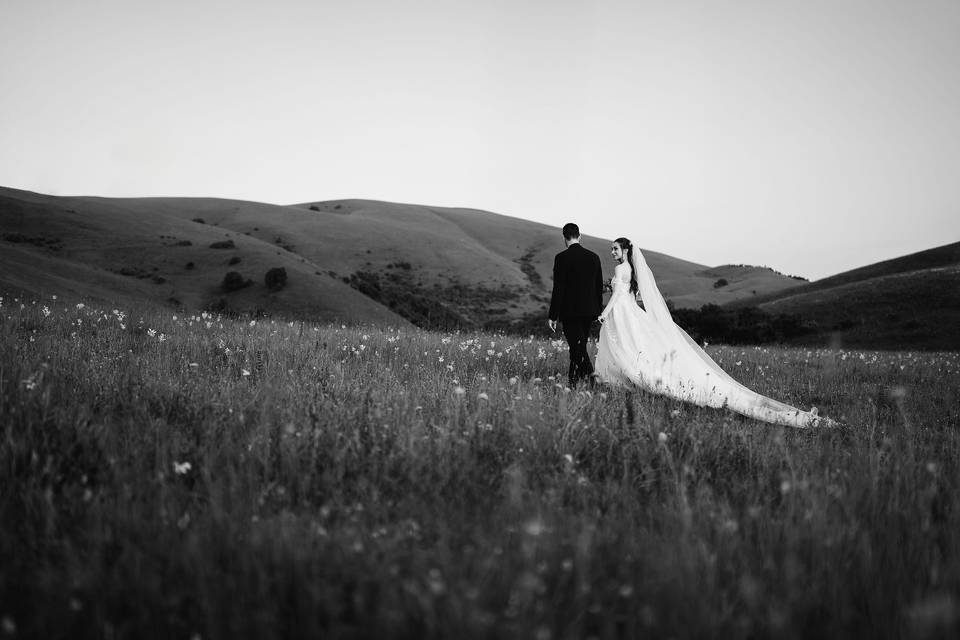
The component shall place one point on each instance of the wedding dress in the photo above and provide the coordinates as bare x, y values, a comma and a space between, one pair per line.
645, 348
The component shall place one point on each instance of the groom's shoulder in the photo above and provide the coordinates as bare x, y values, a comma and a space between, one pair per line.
592, 254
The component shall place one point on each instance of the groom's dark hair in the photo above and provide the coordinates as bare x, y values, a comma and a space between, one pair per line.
570, 231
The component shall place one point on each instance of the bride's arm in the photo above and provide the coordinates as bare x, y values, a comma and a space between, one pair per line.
617, 292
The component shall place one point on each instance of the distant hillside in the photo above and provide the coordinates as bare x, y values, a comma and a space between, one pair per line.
943, 256
907, 302
104, 250
732, 283
351, 260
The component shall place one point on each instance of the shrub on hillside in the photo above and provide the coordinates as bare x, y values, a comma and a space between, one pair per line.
223, 244
233, 281
722, 282
234, 260
276, 278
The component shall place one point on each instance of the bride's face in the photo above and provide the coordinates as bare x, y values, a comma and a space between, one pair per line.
616, 252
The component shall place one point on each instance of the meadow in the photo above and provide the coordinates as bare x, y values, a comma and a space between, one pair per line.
197, 476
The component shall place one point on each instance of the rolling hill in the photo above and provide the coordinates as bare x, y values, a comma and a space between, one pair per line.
908, 302
350, 260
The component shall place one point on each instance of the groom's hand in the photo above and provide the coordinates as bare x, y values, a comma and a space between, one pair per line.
553, 325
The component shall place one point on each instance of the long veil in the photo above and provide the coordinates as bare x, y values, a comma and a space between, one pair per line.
681, 369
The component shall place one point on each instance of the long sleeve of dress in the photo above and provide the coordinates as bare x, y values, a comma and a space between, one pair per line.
618, 292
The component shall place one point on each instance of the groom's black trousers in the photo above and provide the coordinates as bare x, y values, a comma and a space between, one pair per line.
576, 329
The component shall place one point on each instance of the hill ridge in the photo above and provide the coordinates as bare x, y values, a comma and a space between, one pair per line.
346, 259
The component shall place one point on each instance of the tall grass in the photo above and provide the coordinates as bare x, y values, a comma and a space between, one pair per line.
165, 476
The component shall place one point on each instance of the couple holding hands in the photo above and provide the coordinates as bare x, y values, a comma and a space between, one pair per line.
643, 347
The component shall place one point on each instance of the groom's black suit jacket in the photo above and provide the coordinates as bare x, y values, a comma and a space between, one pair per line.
577, 284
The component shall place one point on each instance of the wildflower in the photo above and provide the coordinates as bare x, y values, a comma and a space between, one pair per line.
483, 396
46, 312
513, 381
181, 468
535, 527
459, 391
435, 582
244, 372
253, 323
80, 305
151, 332
161, 337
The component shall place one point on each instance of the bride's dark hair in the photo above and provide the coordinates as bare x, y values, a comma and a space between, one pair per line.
627, 247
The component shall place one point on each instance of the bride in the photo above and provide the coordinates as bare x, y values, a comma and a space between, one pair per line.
645, 348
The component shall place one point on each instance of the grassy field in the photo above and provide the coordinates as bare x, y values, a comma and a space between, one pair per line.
198, 477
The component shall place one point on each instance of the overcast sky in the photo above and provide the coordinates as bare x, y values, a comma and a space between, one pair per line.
810, 136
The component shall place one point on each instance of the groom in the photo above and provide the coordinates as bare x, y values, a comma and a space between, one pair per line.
577, 299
